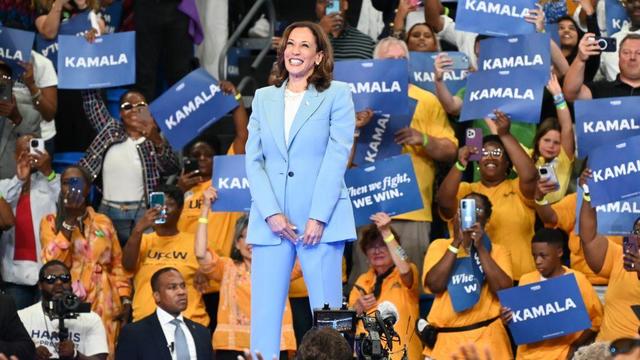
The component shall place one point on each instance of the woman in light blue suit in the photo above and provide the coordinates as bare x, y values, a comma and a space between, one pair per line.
300, 136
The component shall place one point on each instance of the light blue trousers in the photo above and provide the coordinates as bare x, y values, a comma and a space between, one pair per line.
271, 267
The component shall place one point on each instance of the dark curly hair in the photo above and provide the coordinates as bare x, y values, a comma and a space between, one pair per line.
324, 344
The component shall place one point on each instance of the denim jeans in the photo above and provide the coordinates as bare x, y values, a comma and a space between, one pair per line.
123, 220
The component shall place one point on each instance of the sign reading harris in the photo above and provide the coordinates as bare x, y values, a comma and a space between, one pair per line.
516, 52
546, 309
15, 47
616, 171
380, 85
389, 185
614, 218
495, 17
376, 138
516, 92
616, 16
422, 71
605, 121
190, 106
110, 61
230, 179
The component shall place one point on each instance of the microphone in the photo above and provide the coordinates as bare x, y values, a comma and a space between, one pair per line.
422, 323
389, 313
171, 346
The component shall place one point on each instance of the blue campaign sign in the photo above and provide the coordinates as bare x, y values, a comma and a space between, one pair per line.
516, 92
422, 71
495, 17
615, 218
380, 85
389, 185
230, 179
376, 138
546, 309
516, 52
112, 16
77, 25
110, 61
616, 171
616, 16
190, 106
605, 121
15, 47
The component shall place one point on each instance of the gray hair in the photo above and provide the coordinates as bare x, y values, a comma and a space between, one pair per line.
384, 45
599, 350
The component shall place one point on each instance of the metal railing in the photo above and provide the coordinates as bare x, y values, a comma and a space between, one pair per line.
222, 61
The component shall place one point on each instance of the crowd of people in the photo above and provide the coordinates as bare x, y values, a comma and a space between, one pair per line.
185, 282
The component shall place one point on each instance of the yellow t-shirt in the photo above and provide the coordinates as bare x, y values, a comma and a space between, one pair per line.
558, 348
220, 228
157, 252
623, 291
431, 119
566, 214
234, 311
493, 336
404, 298
562, 166
511, 223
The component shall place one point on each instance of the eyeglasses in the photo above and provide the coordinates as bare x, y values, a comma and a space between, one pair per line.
495, 153
623, 346
51, 278
128, 106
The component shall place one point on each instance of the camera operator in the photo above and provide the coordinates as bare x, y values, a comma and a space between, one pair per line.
86, 334
626, 82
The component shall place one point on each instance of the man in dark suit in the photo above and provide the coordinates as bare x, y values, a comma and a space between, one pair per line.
165, 334
14, 338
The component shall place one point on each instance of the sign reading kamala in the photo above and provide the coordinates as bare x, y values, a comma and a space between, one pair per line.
616, 171
495, 17
230, 179
616, 16
422, 71
605, 121
546, 309
389, 185
190, 106
376, 138
524, 51
613, 218
516, 92
110, 61
380, 85
15, 47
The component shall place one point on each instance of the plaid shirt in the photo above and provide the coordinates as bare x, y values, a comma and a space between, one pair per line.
157, 160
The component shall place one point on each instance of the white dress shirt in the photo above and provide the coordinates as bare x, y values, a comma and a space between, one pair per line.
292, 102
169, 331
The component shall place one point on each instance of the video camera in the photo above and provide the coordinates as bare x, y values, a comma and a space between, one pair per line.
63, 307
377, 342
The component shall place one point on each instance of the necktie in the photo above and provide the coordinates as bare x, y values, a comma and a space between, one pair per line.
181, 348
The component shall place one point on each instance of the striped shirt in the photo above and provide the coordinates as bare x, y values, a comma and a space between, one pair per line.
352, 44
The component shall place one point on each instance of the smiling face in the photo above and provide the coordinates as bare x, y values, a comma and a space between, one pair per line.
421, 38
549, 145
130, 107
494, 164
378, 254
203, 152
301, 53
568, 34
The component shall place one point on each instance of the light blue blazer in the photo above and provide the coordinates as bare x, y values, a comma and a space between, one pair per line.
303, 178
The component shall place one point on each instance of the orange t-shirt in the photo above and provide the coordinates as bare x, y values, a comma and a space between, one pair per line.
406, 301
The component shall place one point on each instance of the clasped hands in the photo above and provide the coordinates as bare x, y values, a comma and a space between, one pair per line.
285, 230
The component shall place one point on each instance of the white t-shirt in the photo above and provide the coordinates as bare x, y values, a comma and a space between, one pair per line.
122, 172
86, 332
45, 76
292, 101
